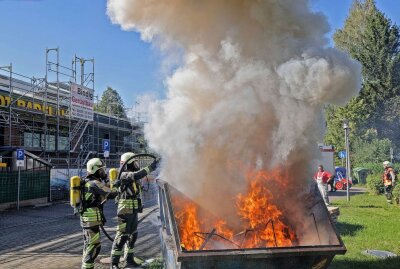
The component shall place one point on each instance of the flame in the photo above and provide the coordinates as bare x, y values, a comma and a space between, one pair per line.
262, 220
261, 215
189, 225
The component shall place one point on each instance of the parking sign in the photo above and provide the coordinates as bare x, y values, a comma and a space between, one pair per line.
20, 157
106, 148
106, 145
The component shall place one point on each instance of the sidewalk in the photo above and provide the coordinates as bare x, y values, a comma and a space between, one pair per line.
51, 237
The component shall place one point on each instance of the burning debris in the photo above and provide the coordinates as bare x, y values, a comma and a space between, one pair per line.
219, 246
263, 223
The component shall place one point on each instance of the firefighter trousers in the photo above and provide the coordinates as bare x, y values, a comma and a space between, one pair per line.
126, 234
388, 193
91, 246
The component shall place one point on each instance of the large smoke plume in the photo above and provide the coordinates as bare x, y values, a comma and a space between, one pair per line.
249, 93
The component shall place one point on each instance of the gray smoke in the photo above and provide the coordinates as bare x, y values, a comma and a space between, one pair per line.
249, 93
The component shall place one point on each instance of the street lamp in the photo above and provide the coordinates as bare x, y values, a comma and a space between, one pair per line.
346, 128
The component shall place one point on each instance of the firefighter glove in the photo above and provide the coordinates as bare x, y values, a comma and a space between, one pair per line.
154, 164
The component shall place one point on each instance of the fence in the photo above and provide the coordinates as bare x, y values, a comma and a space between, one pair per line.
34, 185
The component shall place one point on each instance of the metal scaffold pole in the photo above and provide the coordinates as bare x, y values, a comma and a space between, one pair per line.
10, 106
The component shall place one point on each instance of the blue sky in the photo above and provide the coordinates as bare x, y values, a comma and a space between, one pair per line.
82, 27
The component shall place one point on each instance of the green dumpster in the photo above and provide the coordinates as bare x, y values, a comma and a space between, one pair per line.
360, 174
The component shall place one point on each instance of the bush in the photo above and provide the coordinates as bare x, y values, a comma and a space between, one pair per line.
377, 168
374, 183
396, 194
370, 150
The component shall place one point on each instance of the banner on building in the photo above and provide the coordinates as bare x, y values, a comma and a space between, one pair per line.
81, 102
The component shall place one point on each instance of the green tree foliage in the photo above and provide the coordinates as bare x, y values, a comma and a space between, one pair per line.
372, 39
373, 150
111, 103
354, 112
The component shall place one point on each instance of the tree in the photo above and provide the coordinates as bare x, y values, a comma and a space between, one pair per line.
354, 112
111, 103
371, 38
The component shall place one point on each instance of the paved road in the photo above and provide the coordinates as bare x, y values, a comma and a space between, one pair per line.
51, 237
342, 194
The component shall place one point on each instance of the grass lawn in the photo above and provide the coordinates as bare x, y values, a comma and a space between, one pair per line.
368, 222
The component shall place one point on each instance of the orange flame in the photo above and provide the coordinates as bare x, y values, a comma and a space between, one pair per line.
262, 216
188, 222
263, 222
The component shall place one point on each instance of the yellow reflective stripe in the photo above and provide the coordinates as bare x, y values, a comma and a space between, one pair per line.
116, 252
122, 225
87, 265
90, 248
131, 250
95, 238
126, 202
147, 169
87, 195
134, 187
92, 209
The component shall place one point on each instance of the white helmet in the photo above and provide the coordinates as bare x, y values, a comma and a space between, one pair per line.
93, 165
126, 156
387, 164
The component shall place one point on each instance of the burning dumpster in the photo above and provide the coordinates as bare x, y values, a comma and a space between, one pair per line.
193, 237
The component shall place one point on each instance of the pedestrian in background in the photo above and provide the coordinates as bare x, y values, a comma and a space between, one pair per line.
388, 179
322, 177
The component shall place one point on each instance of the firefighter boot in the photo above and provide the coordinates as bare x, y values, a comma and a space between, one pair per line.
130, 262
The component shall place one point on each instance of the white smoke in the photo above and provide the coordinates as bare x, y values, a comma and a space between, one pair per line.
142, 107
251, 89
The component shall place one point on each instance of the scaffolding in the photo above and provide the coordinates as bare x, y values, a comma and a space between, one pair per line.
35, 114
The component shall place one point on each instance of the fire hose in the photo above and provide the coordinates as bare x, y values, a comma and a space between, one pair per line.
118, 178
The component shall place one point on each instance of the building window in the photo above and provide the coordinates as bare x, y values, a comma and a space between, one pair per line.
31, 140
63, 143
50, 142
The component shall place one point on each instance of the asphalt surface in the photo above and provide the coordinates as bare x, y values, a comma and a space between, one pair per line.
51, 237
342, 194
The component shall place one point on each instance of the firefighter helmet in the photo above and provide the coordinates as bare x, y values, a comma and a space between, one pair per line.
387, 164
93, 165
126, 156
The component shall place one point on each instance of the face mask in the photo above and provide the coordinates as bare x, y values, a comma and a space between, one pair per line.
102, 174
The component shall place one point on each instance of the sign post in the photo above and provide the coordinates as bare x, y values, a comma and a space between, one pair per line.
346, 128
20, 163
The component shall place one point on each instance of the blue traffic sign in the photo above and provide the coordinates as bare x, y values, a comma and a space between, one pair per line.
106, 145
20, 154
342, 154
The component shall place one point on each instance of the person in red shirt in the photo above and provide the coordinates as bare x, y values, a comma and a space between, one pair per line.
322, 178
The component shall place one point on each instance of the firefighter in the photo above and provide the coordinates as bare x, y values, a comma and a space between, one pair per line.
388, 179
94, 194
129, 205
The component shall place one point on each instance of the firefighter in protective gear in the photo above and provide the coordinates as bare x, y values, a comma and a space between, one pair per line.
129, 205
388, 179
94, 194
